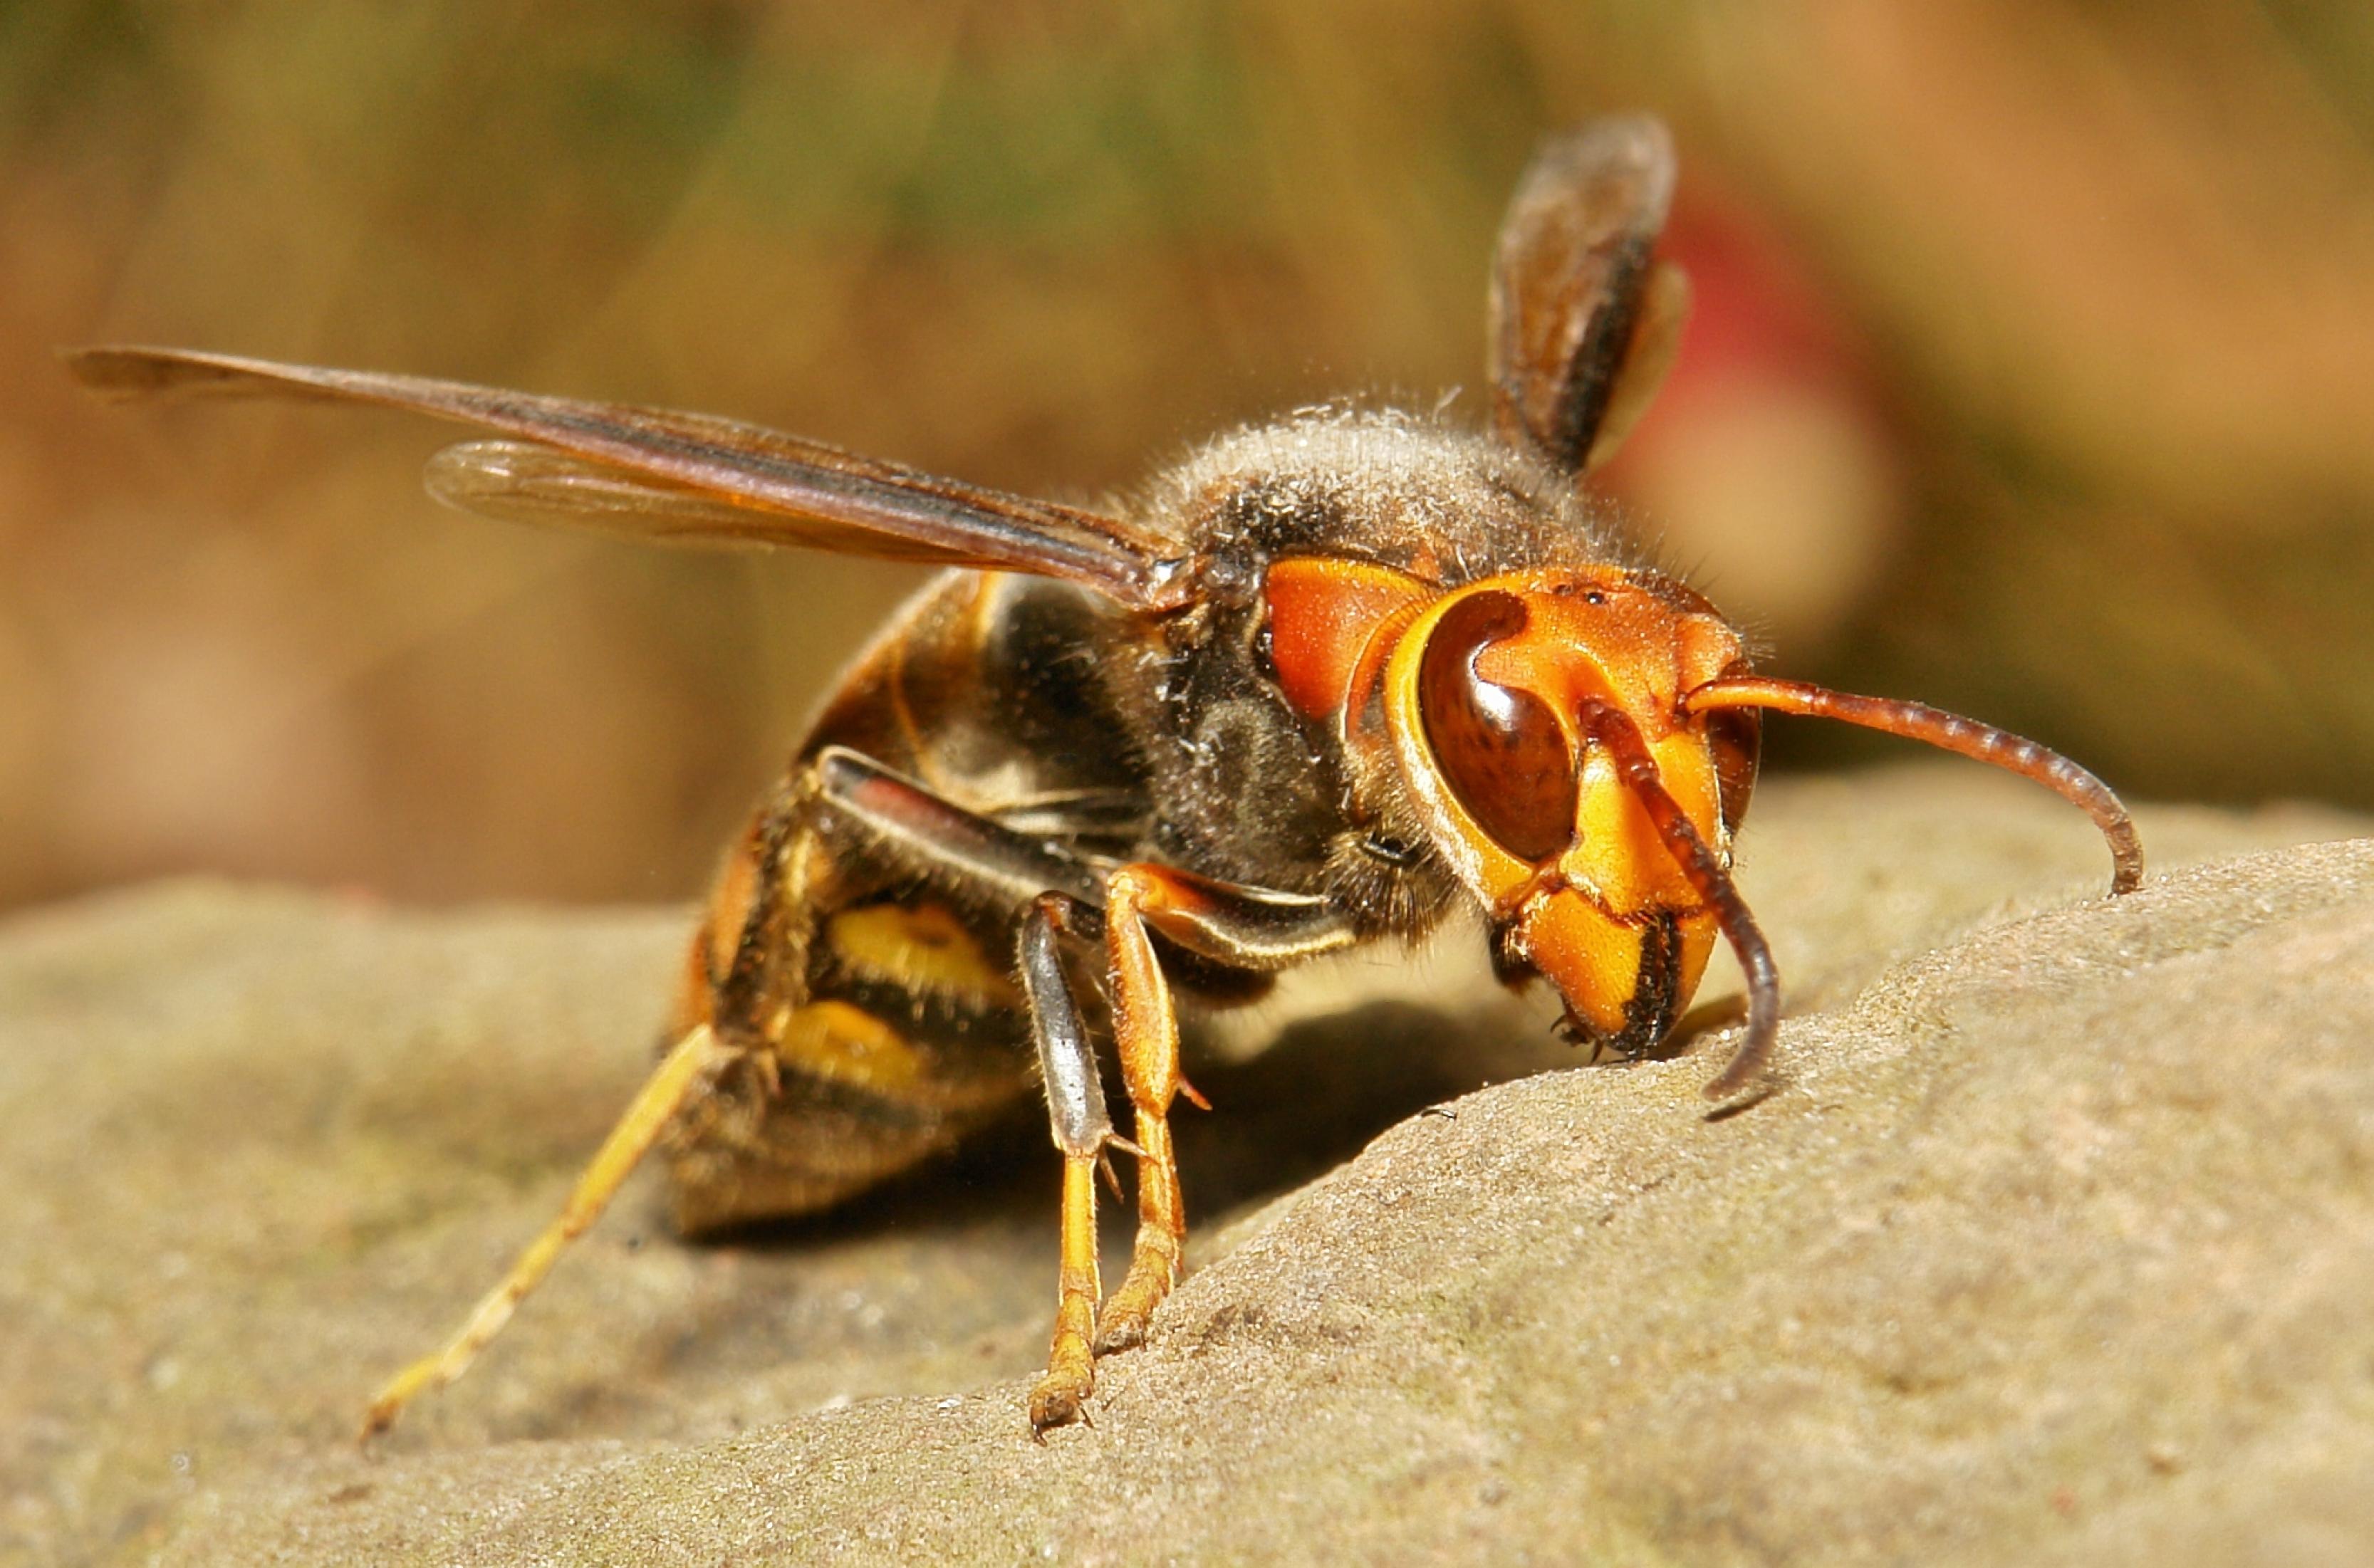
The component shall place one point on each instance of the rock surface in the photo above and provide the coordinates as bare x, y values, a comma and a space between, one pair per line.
2055, 1245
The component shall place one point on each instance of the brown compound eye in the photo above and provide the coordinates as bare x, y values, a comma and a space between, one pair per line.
1501, 750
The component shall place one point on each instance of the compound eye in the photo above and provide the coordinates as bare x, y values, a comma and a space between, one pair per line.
1500, 749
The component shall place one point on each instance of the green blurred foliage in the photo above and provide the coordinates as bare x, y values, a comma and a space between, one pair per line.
2099, 281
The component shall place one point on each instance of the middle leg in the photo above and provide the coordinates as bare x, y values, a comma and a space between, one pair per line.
1243, 927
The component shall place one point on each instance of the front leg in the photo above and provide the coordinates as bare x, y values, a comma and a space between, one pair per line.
1244, 928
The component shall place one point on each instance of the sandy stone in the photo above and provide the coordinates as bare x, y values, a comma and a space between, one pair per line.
2053, 1247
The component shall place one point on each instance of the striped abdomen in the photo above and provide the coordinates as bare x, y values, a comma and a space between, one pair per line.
872, 1003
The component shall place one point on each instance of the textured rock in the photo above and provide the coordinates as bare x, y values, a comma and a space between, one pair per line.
2054, 1246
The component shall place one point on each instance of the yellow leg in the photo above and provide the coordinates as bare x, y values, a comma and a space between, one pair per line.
658, 1101
1157, 1263
1146, 1030
1247, 929
1060, 1395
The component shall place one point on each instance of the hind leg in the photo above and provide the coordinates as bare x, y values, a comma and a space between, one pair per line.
847, 811
679, 1075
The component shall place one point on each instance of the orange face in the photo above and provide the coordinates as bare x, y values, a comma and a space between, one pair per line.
1484, 693
1484, 696
1479, 696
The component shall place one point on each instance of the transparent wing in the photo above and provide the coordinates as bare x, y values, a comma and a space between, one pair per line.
1584, 321
652, 474
521, 482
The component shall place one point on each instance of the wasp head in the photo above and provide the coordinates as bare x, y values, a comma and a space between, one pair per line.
1536, 720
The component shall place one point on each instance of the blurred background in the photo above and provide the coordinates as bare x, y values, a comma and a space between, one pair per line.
2033, 371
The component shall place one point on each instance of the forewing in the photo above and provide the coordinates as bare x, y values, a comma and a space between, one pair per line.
1584, 321
654, 474
522, 482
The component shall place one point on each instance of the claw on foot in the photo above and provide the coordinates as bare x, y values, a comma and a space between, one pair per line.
1060, 1399
1118, 1331
377, 1419
1122, 1325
